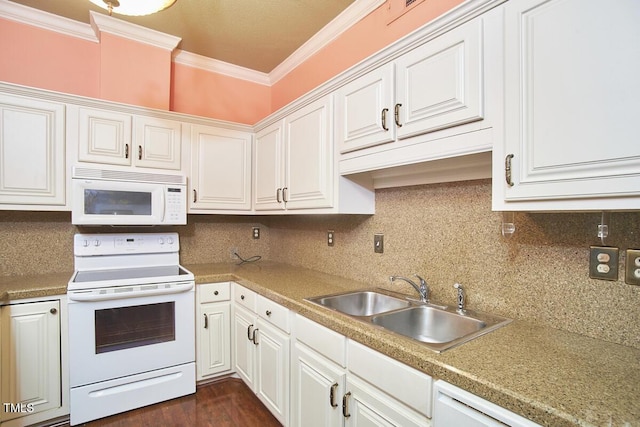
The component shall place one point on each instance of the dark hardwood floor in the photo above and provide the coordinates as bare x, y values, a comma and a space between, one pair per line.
225, 403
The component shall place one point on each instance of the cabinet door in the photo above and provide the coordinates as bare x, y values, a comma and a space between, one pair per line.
32, 152
317, 386
272, 347
158, 143
439, 84
365, 406
214, 339
269, 168
31, 372
104, 137
364, 110
571, 92
309, 157
244, 323
220, 169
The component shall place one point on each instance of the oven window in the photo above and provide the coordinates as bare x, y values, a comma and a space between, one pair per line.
134, 326
109, 202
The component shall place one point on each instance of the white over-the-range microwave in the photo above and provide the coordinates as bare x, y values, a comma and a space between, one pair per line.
111, 197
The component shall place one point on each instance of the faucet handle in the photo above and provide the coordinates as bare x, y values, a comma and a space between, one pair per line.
422, 281
460, 309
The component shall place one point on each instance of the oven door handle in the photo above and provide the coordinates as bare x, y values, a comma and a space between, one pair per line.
92, 296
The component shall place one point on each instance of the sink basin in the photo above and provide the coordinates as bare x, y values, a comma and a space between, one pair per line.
439, 328
427, 324
361, 303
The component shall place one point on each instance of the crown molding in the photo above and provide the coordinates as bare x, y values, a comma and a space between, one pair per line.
45, 20
341, 23
103, 23
220, 67
108, 24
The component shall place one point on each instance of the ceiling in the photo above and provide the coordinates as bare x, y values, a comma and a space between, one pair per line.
255, 34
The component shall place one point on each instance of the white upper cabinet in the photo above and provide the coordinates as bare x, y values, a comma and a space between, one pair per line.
439, 84
309, 157
220, 176
295, 166
158, 143
571, 93
121, 139
432, 102
32, 154
294, 161
364, 110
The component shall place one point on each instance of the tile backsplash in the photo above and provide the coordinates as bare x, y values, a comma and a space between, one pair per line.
447, 233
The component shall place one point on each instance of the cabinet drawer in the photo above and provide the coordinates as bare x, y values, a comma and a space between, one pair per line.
244, 297
328, 343
214, 292
406, 384
274, 313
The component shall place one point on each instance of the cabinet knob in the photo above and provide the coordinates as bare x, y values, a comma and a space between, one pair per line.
53, 311
268, 312
242, 297
216, 292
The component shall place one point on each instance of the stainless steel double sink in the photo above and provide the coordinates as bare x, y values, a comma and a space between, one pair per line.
437, 327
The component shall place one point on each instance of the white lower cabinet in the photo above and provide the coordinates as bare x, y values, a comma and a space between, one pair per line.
262, 346
213, 337
338, 382
456, 407
34, 386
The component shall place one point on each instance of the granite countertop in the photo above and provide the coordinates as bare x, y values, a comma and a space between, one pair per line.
552, 377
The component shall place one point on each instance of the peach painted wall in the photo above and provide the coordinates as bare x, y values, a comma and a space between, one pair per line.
360, 41
202, 93
44, 59
134, 73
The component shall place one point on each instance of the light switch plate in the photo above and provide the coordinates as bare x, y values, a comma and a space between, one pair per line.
603, 263
378, 243
632, 267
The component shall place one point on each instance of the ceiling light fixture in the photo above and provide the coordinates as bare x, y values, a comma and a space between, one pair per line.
133, 7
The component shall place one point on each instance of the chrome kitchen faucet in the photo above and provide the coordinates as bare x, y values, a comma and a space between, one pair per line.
423, 289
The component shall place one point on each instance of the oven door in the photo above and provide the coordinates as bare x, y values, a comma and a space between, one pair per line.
120, 331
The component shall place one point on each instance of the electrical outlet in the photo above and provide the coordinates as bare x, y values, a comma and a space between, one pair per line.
603, 263
330, 238
378, 243
632, 270
256, 232
232, 252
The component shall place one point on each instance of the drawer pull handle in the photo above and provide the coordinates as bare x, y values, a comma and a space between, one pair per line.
255, 336
195, 196
278, 199
139, 152
384, 119
206, 321
249, 332
332, 395
345, 407
507, 169
268, 312
126, 151
284, 194
397, 115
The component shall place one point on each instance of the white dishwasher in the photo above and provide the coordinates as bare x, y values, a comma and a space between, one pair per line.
454, 407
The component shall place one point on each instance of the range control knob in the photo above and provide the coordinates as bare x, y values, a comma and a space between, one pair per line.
161, 241
170, 240
96, 243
